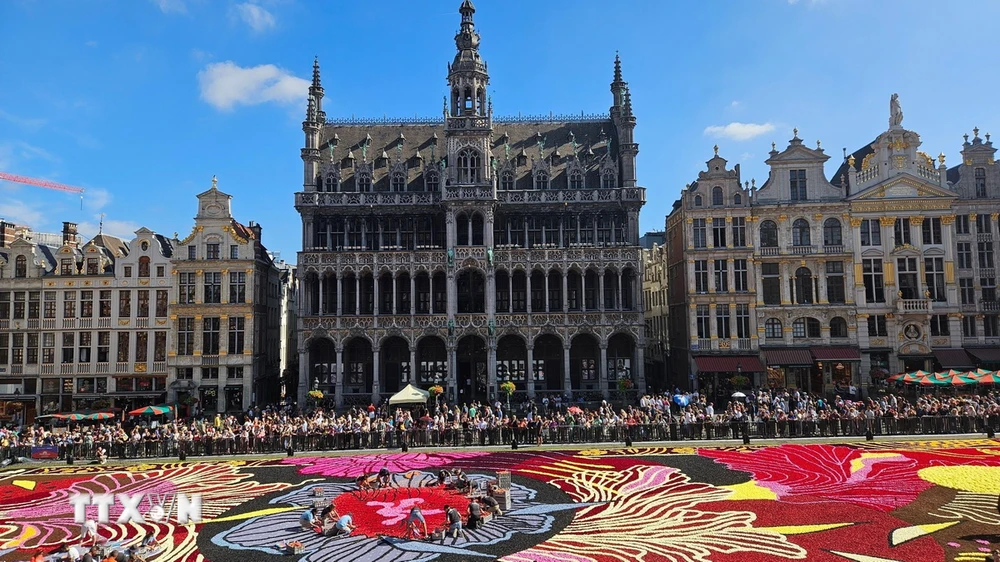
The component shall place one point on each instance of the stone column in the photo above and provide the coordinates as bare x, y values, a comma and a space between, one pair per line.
414, 371
413, 295
491, 370
395, 292
452, 374
303, 388
618, 292
531, 372
376, 375
565, 291
357, 294
600, 290
376, 293
339, 380
821, 289
527, 285
602, 371
322, 289
339, 280
567, 380
786, 285
545, 296
640, 368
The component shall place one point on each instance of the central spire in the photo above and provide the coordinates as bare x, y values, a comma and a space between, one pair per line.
467, 74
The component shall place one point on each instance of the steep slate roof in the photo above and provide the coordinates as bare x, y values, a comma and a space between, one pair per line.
166, 245
859, 158
113, 244
519, 139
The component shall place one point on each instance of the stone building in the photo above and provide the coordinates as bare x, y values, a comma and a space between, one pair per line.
227, 297
835, 283
470, 249
84, 326
654, 298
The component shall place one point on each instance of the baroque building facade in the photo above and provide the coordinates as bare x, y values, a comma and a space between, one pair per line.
829, 285
471, 249
84, 326
655, 312
226, 315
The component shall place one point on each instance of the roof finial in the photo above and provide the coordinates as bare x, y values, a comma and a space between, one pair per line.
941, 159
316, 81
716, 148
774, 146
818, 145
975, 132
795, 133
618, 67
100, 229
628, 102
215, 183
850, 160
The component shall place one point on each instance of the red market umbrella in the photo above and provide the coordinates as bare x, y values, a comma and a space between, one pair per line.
958, 380
931, 380
945, 375
990, 377
150, 411
99, 416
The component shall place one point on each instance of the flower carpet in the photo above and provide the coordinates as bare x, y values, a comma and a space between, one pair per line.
871, 502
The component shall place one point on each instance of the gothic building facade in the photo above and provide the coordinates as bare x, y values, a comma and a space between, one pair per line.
471, 249
830, 285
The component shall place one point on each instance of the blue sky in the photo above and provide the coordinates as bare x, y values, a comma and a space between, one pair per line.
142, 101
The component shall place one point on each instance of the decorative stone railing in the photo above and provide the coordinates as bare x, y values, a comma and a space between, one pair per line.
628, 194
357, 199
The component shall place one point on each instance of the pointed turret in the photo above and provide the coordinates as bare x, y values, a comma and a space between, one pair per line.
316, 92
618, 84
467, 73
315, 118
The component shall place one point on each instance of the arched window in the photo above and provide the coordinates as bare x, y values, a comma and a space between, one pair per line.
507, 180
468, 165
364, 182
398, 181
803, 286
144, 266
737, 199
772, 329
838, 327
608, 179
768, 234
832, 235
541, 180
331, 183
462, 230
800, 233
697, 200
717, 196
431, 180
21, 266
576, 179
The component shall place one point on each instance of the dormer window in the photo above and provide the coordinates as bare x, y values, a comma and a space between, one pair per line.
541, 180
65, 266
398, 181
981, 182
468, 166
576, 179
364, 182
93, 266
737, 199
507, 180
431, 180
718, 199
797, 184
697, 200
608, 179
331, 183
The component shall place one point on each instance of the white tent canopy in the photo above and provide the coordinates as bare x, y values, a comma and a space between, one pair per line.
409, 395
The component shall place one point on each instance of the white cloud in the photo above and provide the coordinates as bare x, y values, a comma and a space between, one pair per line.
20, 212
96, 198
225, 85
122, 229
29, 123
735, 104
171, 6
255, 16
746, 156
199, 55
739, 131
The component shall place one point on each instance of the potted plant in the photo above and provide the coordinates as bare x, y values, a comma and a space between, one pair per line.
625, 384
189, 400
436, 390
508, 388
739, 381
316, 394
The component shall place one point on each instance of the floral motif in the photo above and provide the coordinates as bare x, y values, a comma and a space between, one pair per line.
378, 533
50, 520
657, 516
354, 466
883, 480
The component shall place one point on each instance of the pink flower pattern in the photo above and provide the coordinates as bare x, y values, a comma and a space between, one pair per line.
354, 466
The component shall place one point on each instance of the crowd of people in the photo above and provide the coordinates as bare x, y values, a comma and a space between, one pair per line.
767, 413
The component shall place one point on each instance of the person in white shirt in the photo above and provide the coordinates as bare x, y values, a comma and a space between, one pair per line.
89, 532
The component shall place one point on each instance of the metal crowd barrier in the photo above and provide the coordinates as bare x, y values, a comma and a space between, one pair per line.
504, 436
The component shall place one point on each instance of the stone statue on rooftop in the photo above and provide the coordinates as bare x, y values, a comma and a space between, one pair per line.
895, 112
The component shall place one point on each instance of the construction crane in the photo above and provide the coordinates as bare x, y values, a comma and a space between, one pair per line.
43, 183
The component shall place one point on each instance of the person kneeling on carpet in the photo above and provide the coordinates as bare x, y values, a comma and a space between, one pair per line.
328, 516
442, 477
342, 527
491, 505
364, 482
475, 515
454, 523
308, 519
384, 478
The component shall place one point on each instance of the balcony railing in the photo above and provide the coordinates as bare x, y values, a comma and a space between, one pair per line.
355, 199
633, 194
803, 250
984, 237
121, 367
769, 251
913, 305
103, 368
833, 249
468, 193
990, 306
704, 344
987, 272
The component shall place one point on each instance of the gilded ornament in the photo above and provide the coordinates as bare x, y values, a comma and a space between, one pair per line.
928, 161
868, 161
948, 219
887, 221
856, 222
